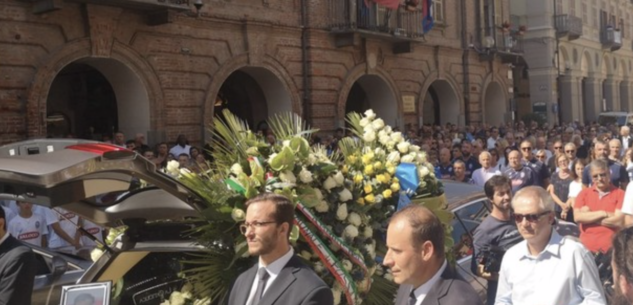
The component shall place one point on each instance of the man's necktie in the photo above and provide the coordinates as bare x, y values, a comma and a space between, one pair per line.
412, 298
262, 276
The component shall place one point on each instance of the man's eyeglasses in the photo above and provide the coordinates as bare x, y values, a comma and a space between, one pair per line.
255, 225
529, 217
596, 176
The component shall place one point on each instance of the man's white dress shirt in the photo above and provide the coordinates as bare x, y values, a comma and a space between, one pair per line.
481, 175
422, 291
273, 270
563, 273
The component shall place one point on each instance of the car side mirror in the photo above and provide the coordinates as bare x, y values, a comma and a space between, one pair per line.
59, 266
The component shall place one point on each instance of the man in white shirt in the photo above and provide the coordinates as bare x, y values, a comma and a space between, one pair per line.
181, 147
415, 255
481, 175
625, 138
545, 268
68, 222
494, 136
28, 226
280, 278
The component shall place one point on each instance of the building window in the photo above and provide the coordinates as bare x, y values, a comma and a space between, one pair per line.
559, 6
438, 11
585, 14
572, 8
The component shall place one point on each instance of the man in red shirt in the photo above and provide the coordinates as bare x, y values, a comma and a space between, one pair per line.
597, 209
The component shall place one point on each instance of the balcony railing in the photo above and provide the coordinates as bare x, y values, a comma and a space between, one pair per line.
510, 42
568, 25
611, 38
356, 16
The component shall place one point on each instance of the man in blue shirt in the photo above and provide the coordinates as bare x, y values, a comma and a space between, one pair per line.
541, 171
470, 161
520, 176
444, 169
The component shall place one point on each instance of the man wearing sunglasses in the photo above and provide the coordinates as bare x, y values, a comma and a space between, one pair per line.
495, 235
545, 268
540, 170
598, 209
280, 278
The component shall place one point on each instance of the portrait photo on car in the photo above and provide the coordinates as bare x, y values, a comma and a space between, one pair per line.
87, 294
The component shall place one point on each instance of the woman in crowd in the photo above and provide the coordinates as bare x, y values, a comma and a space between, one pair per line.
575, 186
559, 187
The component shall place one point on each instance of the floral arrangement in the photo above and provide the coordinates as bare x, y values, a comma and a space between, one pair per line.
343, 200
185, 297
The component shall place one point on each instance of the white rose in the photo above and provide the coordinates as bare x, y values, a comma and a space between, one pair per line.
371, 249
318, 267
312, 159
329, 183
238, 215
341, 212
382, 132
397, 137
305, 176
166, 302
364, 122
370, 114
368, 232
394, 157
354, 219
369, 136
345, 195
368, 128
378, 124
390, 145
387, 129
424, 171
347, 265
339, 178
384, 139
407, 159
351, 231
318, 194
379, 151
176, 298
420, 157
237, 169
322, 207
287, 176
337, 296
414, 148
403, 147
173, 168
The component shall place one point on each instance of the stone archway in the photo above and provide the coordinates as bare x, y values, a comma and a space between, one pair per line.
253, 94
495, 105
372, 92
441, 104
98, 96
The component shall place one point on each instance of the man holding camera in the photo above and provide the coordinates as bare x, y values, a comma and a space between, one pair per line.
495, 234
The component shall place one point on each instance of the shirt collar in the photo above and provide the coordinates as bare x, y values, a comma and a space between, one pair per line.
6, 235
552, 247
422, 291
275, 267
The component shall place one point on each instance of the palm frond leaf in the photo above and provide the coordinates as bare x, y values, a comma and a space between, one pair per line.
383, 291
287, 125
353, 119
231, 138
348, 146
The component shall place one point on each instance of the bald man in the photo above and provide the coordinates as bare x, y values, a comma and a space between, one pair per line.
521, 176
415, 255
444, 168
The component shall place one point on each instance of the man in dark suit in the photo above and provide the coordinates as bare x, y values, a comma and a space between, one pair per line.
415, 255
17, 268
280, 278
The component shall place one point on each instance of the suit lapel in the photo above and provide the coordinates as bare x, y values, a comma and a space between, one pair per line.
440, 289
249, 277
285, 278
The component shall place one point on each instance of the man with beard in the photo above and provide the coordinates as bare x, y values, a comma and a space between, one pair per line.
280, 278
540, 170
545, 268
622, 265
519, 175
495, 235
619, 176
469, 160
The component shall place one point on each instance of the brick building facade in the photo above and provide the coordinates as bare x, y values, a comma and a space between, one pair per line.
88, 69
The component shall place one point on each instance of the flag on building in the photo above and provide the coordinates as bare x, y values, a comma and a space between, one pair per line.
427, 16
391, 4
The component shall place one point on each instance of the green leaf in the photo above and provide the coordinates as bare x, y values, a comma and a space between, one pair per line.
300, 146
285, 159
307, 196
288, 125
294, 234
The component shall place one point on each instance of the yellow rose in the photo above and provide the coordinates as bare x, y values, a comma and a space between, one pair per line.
387, 177
358, 178
395, 187
396, 180
360, 201
368, 188
391, 169
378, 165
352, 159
370, 198
345, 169
369, 170
381, 178
387, 193
368, 157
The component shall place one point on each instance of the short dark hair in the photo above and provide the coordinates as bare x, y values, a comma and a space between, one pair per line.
425, 225
84, 297
495, 182
4, 217
284, 207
